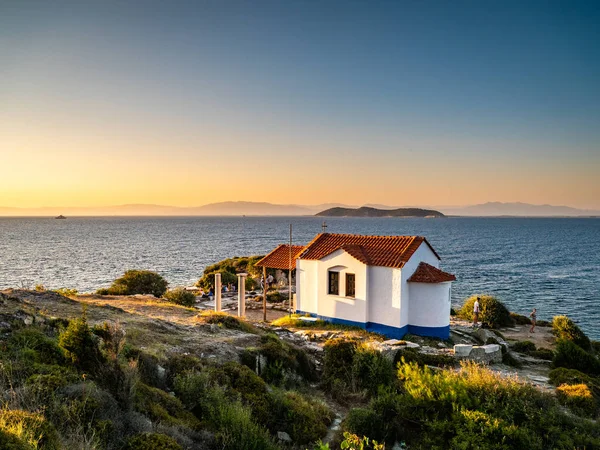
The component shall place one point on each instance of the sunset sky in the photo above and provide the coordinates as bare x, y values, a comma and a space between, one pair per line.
394, 102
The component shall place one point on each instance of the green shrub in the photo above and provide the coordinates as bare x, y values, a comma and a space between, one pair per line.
338, 358
304, 419
423, 359
228, 268
491, 311
29, 427
380, 420
565, 328
227, 321
470, 408
137, 282
569, 355
520, 319
45, 350
354, 442
233, 423
152, 441
543, 353
237, 430
80, 346
370, 369
284, 362
178, 364
44, 386
180, 296
147, 367
66, 292
241, 382
9, 441
572, 376
162, 407
578, 398
363, 422
523, 347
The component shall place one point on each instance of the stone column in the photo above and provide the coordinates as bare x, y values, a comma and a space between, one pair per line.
217, 292
242, 294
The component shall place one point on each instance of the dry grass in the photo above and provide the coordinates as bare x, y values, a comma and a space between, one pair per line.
295, 322
159, 327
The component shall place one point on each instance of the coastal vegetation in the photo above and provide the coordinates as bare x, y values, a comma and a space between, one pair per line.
137, 282
471, 407
148, 374
180, 296
491, 311
565, 328
227, 321
229, 268
69, 384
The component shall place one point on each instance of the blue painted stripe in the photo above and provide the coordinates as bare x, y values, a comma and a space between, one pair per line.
334, 320
387, 330
438, 332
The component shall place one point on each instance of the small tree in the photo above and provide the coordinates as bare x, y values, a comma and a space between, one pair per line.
137, 282
80, 346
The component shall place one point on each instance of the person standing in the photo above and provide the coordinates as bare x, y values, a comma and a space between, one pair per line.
476, 312
533, 317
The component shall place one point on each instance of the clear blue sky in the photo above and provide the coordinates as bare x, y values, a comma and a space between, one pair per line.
398, 102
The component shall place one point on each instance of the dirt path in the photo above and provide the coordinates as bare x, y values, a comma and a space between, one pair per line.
542, 338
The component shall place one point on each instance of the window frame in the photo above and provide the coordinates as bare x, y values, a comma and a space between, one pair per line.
330, 275
353, 277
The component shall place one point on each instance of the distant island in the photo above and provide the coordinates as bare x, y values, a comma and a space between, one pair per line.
366, 211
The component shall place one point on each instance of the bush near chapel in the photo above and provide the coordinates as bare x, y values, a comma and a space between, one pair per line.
180, 296
565, 328
491, 311
137, 282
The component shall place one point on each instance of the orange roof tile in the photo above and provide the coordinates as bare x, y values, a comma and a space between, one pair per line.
426, 273
386, 251
280, 257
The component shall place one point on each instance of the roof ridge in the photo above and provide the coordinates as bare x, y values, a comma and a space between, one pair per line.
369, 236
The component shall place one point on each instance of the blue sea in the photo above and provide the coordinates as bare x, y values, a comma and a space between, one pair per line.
550, 264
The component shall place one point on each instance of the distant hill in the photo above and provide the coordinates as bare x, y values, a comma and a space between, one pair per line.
250, 209
491, 209
366, 211
497, 209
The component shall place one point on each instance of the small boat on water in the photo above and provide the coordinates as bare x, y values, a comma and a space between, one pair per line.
60, 217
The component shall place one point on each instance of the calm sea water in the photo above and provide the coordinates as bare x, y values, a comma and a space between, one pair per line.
551, 264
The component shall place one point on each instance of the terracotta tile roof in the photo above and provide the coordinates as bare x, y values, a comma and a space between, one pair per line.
280, 257
386, 251
426, 273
